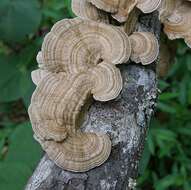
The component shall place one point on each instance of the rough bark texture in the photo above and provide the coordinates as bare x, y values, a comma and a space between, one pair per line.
125, 119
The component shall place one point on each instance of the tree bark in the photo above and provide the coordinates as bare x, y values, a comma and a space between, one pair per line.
125, 120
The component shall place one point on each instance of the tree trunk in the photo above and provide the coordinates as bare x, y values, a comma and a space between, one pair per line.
125, 119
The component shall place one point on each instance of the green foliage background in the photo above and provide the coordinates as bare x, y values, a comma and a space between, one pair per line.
166, 163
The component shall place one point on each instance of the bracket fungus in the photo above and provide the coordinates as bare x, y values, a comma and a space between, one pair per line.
166, 8
120, 9
124, 9
176, 17
148, 6
75, 45
77, 61
86, 10
145, 47
38, 74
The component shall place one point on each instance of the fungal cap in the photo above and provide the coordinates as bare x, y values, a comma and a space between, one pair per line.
110, 6
107, 82
55, 113
86, 10
39, 58
124, 9
44, 111
145, 47
38, 75
80, 57
79, 153
148, 6
166, 8
76, 45
178, 24
120, 9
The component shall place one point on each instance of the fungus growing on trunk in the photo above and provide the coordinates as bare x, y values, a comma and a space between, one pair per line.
75, 45
77, 61
120, 9
176, 17
145, 47
38, 75
124, 9
86, 10
148, 6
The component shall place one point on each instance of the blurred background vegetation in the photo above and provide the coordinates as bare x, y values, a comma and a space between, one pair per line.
166, 163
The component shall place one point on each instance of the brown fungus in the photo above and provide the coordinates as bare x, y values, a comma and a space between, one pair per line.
166, 8
110, 6
75, 45
77, 61
176, 16
145, 47
79, 153
86, 10
148, 6
120, 9
124, 9
38, 75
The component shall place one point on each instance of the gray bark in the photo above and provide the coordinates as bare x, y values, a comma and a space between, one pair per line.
125, 119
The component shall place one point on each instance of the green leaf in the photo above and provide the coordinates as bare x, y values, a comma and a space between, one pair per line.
57, 9
145, 159
9, 79
166, 108
68, 4
168, 96
182, 47
151, 145
163, 85
13, 176
18, 19
15, 80
183, 95
27, 87
164, 134
168, 181
23, 148
188, 61
186, 131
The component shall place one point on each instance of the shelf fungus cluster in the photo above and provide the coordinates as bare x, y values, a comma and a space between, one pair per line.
176, 17
119, 9
77, 62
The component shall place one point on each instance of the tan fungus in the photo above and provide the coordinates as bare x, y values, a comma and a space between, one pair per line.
145, 47
120, 9
148, 6
77, 60
166, 8
76, 45
177, 22
124, 9
86, 10
110, 6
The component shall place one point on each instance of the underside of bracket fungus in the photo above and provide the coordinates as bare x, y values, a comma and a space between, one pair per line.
77, 61
176, 17
145, 47
120, 9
